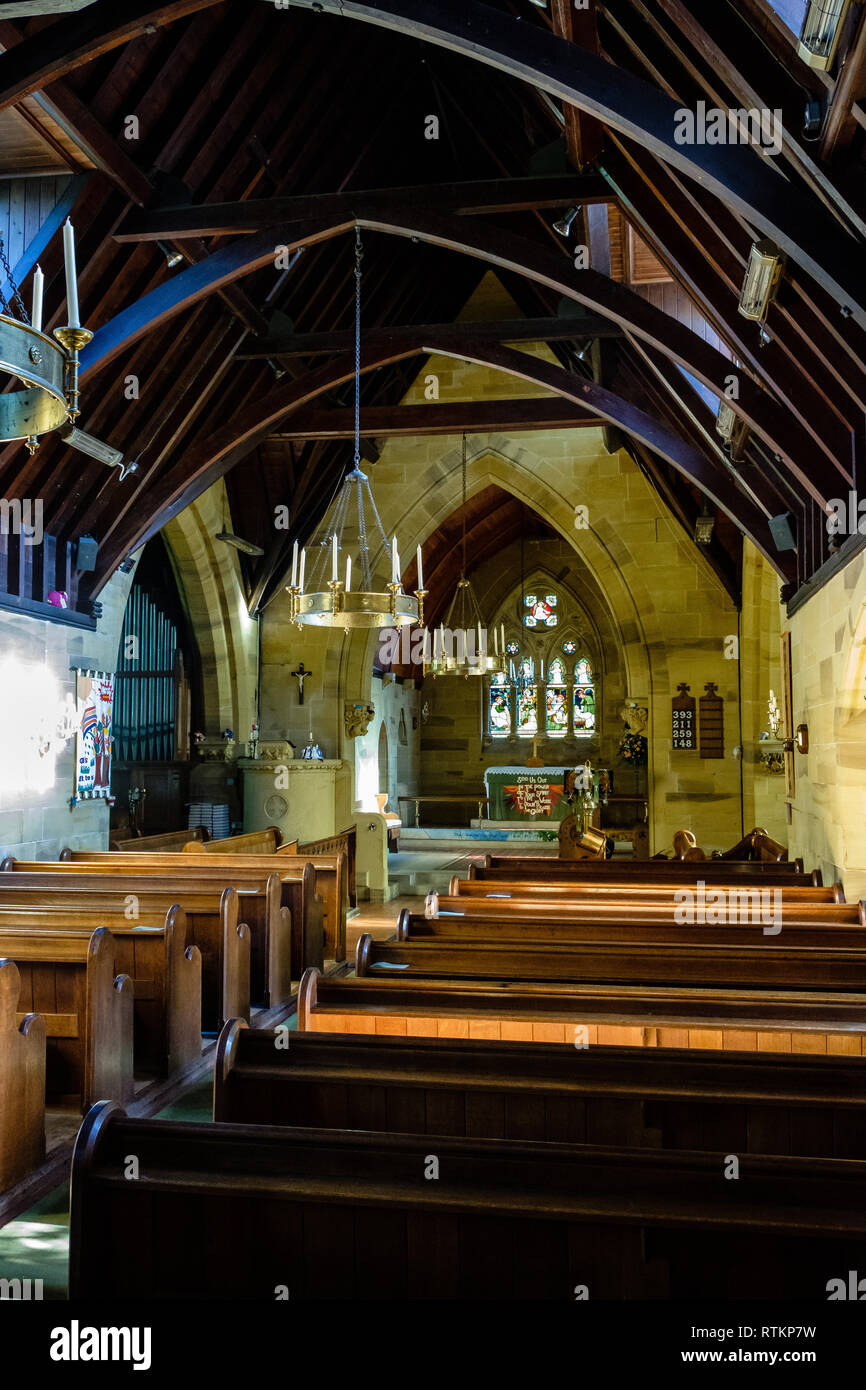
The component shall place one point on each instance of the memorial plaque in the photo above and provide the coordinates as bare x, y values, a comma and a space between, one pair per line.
712, 714
683, 720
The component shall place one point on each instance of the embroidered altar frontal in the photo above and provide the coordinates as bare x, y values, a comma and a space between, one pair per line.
526, 793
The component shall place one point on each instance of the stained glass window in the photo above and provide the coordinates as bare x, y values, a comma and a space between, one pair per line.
569, 648
541, 612
512, 648
556, 710
556, 672
583, 672
527, 711
499, 719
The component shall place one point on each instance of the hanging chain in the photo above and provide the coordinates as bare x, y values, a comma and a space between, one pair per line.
359, 255
9, 305
463, 543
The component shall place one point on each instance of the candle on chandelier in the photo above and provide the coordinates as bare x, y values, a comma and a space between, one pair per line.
295, 565
303, 567
395, 562
502, 636
348, 573
496, 641
38, 288
71, 275
479, 642
334, 574
420, 584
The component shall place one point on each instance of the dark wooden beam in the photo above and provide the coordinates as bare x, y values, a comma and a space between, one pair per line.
540, 330
395, 421
584, 136
805, 230
211, 457
79, 38
482, 239
459, 199
839, 122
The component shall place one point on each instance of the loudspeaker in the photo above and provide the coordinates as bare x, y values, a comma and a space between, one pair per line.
85, 553
782, 531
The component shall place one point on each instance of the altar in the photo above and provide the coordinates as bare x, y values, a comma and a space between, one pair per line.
521, 793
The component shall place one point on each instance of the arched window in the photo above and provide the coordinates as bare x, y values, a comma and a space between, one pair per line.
556, 701
499, 718
541, 610
583, 698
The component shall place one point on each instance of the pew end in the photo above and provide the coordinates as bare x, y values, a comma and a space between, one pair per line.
22, 1083
226, 1055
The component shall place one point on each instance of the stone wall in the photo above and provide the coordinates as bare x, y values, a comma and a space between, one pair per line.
36, 824
828, 657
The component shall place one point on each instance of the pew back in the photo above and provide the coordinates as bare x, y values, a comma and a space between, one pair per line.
334, 1214
170, 841
540, 887
22, 1082
254, 842
660, 1097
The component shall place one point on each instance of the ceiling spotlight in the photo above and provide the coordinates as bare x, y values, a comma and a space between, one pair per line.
584, 351
820, 32
97, 449
732, 428
247, 547
563, 226
704, 528
172, 258
762, 278
276, 367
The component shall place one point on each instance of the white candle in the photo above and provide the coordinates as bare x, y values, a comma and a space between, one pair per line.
479, 641
502, 636
395, 562
295, 565
542, 669
303, 567
71, 275
334, 574
496, 641
38, 287
420, 583
348, 573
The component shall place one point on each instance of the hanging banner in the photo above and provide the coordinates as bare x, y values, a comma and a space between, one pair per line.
95, 706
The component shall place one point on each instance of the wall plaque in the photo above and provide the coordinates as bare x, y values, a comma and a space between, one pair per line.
683, 720
712, 730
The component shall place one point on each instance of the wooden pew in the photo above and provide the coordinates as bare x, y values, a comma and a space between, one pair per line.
164, 971
503, 867
344, 842
739, 905
254, 842
522, 889
172, 840
71, 979
775, 962
211, 916
650, 1098
337, 1214
587, 1015
596, 927
22, 1082
309, 893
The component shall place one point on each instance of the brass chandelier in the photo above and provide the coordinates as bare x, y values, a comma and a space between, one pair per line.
455, 650
48, 369
335, 603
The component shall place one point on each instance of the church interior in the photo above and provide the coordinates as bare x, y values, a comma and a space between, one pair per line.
433, 636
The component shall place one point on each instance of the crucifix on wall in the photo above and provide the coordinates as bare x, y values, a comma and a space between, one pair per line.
301, 675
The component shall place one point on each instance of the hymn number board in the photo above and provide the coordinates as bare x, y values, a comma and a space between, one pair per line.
683, 722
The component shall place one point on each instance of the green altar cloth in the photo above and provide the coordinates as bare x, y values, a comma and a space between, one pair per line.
526, 793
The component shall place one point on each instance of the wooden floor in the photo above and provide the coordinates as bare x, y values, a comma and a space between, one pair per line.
379, 919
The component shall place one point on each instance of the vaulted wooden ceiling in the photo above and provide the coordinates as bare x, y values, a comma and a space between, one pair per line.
226, 365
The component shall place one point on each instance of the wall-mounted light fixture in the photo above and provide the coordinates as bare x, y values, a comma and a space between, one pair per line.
822, 27
762, 278
704, 528
172, 258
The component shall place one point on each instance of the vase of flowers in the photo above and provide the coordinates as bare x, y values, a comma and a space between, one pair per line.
633, 752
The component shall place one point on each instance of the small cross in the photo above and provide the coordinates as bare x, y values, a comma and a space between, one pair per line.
711, 687
683, 688
301, 675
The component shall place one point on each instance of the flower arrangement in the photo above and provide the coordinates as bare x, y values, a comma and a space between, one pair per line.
198, 736
633, 749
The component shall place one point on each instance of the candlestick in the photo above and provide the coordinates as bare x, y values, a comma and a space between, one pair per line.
38, 287
502, 636
395, 562
294, 564
420, 584
495, 642
303, 567
73, 320
348, 573
334, 556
